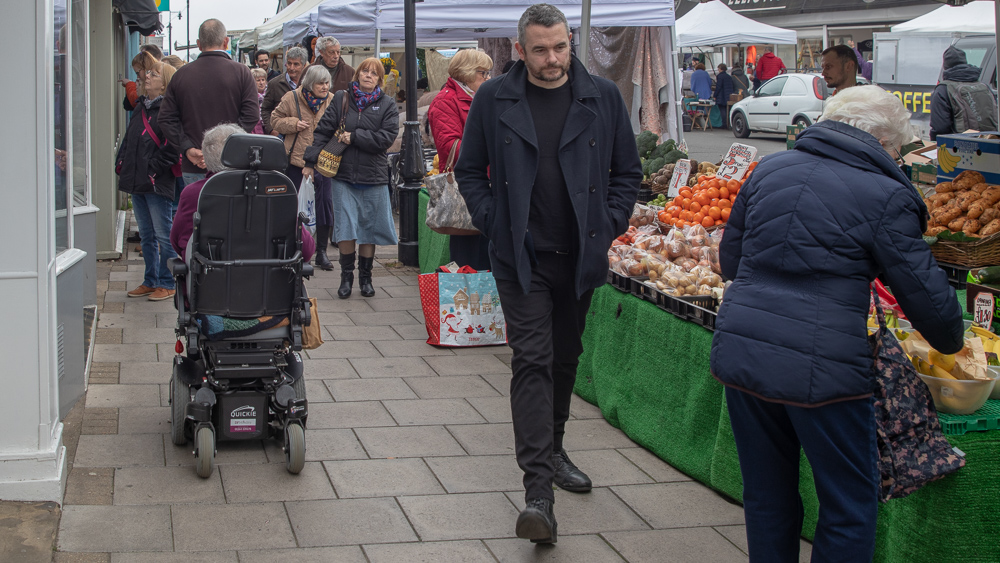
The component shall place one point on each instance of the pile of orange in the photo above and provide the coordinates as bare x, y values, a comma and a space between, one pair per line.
708, 203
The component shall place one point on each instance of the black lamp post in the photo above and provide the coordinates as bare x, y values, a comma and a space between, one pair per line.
413, 161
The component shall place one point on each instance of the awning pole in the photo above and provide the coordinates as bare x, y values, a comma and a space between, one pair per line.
378, 43
584, 33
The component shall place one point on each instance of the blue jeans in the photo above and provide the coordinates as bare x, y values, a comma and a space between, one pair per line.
154, 215
192, 177
839, 441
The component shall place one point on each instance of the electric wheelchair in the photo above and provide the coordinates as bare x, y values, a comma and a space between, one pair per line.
241, 310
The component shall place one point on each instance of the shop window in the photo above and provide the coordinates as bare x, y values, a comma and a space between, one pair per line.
810, 54
78, 113
62, 160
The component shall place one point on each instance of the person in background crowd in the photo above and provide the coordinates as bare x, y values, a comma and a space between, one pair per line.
507, 66
361, 207
142, 62
260, 78
550, 173
723, 89
263, 60
212, 89
701, 82
752, 75
425, 95
401, 96
741, 83
840, 68
864, 65
467, 71
295, 64
769, 66
961, 102
341, 73
146, 160
174, 61
212, 145
814, 226
296, 117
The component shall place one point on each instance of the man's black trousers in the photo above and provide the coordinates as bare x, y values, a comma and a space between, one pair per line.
543, 329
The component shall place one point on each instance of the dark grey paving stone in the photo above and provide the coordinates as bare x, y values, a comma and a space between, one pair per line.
349, 415
459, 517
123, 396
411, 332
370, 389
738, 536
581, 409
471, 551
115, 528
569, 549
316, 392
653, 466
398, 304
424, 412
676, 546
363, 333
344, 349
369, 368
226, 453
411, 441
271, 482
144, 420
493, 409
148, 335
331, 444
166, 485
323, 369
485, 439
451, 387
608, 467
247, 527
126, 450
500, 382
596, 512
173, 557
388, 318
328, 319
594, 434
382, 478
477, 474
349, 522
679, 505
351, 306
409, 348
150, 373
345, 554
467, 365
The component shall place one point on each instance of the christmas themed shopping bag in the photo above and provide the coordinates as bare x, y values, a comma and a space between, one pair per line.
462, 309
912, 449
307, 202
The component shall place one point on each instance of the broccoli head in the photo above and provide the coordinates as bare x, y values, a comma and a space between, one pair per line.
645, 142
652, 166
673, 156
663, 148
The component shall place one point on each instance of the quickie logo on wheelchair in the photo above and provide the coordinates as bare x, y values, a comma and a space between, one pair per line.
243, 419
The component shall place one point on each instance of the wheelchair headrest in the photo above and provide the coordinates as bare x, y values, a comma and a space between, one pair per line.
241, 151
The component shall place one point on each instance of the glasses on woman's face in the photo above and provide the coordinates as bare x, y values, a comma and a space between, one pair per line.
484, 73
152, 74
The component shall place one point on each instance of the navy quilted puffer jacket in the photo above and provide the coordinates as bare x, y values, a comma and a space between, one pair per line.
807, 235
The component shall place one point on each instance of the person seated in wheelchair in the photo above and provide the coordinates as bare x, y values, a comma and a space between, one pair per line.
244, 252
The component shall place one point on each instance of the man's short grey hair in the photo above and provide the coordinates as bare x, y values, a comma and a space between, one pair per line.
297, 53
545, 15
325, 42
874, 111
315, 74
213, 143
212, 33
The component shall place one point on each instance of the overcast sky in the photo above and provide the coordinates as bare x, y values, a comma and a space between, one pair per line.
236, 14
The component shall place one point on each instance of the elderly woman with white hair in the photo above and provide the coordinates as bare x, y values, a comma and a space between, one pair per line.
211, 148
809, 232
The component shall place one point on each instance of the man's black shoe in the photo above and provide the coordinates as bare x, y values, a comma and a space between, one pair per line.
537, 522
568, 476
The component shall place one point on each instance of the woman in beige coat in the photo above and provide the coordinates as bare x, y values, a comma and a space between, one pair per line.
296, 118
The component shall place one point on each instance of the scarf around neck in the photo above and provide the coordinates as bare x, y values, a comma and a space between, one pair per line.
313, 101
364, 99
149, 103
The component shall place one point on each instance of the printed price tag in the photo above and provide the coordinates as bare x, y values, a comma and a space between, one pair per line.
983, 314
679, 179
735, 165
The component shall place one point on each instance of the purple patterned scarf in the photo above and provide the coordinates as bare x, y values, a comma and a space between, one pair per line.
313, 101
364, 99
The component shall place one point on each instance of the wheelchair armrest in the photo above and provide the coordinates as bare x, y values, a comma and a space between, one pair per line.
177, 266
308, 270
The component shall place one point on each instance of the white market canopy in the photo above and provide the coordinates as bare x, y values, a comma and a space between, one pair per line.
713, 23
974, 17
269, 35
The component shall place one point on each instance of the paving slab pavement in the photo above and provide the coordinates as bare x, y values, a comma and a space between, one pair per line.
409, 457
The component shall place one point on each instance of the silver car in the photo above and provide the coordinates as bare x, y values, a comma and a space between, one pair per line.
784, 100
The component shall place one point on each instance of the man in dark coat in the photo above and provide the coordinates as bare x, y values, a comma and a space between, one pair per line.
341, 73
263, 60
295, 64
550, 172
723, 89
961, 102
211, 90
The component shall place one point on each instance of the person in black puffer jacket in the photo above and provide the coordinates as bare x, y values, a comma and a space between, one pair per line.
809, 232
145, 163
961, 102
362, 214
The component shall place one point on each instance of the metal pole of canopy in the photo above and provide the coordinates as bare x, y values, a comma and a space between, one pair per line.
584, 33
378, 43
413, 162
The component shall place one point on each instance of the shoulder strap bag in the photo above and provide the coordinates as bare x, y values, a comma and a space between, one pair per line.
176, 169
298, 113
328, 162
447, 213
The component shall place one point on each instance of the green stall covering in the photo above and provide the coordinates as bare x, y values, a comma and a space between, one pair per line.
432, 248
648, 372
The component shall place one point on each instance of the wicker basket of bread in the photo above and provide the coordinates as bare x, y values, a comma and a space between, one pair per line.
965, 218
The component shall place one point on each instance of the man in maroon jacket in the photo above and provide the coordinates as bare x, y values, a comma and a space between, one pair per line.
211, 90
769, 65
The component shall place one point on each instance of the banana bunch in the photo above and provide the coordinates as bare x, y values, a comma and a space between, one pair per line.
939, 365
991, 344
947, 160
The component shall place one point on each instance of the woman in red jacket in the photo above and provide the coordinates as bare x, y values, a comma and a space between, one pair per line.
468, 69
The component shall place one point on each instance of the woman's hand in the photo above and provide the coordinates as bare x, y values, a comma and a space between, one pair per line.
307, 172
345, 137
301, 125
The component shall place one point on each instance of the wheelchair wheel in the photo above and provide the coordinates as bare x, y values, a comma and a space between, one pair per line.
179, 395
295, 448
205, 454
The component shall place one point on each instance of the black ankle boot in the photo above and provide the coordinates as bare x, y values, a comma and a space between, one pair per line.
537, 522
567, 475
365, 276
322, 240
346, 275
